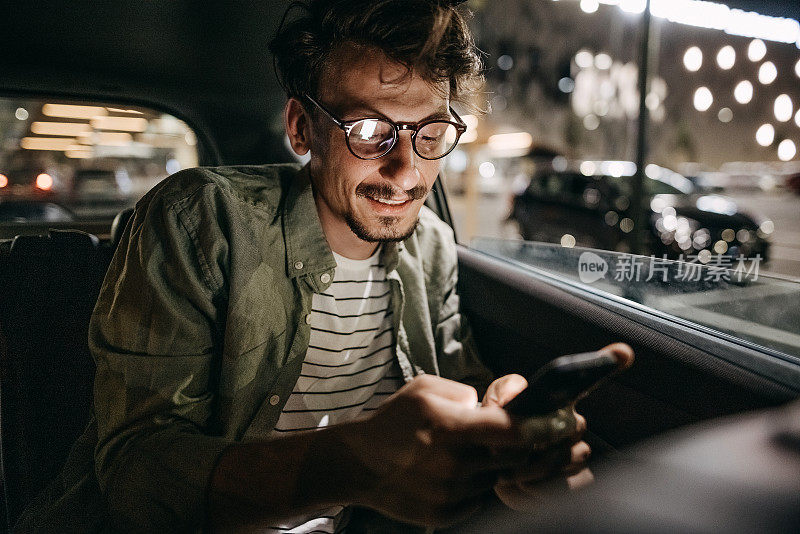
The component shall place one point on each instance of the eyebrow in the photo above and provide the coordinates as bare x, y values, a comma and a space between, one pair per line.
363, 111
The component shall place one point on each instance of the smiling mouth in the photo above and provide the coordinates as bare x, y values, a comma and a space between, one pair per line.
390, 202
388, 206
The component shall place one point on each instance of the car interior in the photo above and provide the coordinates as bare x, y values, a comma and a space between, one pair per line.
209, 67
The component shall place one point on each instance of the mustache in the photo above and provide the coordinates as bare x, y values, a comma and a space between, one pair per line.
386, 191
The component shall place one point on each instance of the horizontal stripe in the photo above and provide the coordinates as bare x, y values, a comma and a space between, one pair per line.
327, 409
354, 315
313, 329
382, 281
298, 429
338, 350
350, 374
286, 529
337, 390
377, 336
364, 357
355, 298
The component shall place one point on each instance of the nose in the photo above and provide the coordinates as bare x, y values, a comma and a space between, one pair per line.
400, 164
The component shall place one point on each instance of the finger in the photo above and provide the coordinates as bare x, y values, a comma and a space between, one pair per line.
486, 426
580, 452
563, 461
504, 389
622, 352
541, 466
580, 479
579, 455
542, 432
580, 424
445, 388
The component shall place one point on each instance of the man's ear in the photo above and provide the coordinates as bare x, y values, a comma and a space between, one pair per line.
298, 126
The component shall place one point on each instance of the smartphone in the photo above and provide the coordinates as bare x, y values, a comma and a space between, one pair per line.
562, 381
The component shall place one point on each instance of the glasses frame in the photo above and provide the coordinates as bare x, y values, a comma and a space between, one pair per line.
413, 127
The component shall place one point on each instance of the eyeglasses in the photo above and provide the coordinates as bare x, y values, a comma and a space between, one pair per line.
374, 138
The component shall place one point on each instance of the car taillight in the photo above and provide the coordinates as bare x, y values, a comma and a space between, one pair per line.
44, 182
3, 180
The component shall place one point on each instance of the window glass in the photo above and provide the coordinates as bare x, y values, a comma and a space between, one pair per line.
68, 163
730, 296
554, 158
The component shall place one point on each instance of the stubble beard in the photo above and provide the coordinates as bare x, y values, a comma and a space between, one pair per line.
388, 232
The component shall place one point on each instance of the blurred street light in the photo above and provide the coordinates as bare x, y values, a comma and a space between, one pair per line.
767, 73
703, 99
589, 6
765, 135
743, 92
757, 50
783, 108
786, 150
726, 57
693, 59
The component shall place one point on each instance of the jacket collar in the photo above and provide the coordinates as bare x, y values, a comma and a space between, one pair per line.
307, 249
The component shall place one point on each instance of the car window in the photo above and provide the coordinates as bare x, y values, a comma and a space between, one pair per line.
733, 296
553, 161
74, 162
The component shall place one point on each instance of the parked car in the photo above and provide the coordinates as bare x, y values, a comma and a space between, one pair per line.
594, 209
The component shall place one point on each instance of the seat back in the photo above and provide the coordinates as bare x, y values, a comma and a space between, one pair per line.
49, 286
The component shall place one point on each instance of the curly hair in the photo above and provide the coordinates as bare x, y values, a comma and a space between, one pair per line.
428, 37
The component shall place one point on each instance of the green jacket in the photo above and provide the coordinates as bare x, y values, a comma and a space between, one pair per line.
200, 331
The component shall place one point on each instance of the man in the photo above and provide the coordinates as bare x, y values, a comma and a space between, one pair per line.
246, 306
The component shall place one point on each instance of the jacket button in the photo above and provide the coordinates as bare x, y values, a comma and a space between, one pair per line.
325, 278
298, 265
308, 319
274, 400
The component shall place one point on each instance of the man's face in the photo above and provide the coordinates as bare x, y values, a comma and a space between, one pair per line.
377, 200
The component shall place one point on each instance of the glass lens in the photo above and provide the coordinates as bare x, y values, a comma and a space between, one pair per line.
370, 138
435, 139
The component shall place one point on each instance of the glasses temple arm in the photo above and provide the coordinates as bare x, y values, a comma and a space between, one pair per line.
459, 119
330, 115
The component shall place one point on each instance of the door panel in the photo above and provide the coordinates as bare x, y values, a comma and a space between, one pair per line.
521, 320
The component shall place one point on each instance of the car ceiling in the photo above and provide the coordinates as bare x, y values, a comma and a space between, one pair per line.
209, 65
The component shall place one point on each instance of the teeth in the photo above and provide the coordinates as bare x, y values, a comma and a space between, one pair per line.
390, 202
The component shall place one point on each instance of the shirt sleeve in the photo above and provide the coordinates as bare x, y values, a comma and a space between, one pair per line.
456, 350
155, 337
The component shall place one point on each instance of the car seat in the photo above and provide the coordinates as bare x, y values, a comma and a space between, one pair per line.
50, 284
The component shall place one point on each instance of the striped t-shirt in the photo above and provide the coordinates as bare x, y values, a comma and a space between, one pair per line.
349, 368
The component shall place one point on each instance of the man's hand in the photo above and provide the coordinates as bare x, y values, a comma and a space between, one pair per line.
555, 440
428, 452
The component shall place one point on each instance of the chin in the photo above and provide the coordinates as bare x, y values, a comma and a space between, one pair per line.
383, 229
